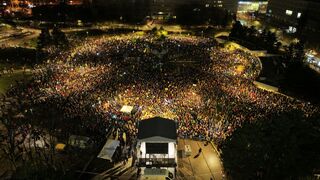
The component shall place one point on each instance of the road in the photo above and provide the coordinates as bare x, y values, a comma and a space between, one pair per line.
205, 165
12, 37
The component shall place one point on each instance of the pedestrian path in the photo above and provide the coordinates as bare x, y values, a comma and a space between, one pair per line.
122, 170
201, 164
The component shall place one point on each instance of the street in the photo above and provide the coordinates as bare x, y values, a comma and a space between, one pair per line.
205, 166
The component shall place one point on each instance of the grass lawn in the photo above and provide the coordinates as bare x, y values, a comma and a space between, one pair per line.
30, 43
8, 79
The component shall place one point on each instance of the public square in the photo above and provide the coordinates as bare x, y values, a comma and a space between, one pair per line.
208, 90
138, 90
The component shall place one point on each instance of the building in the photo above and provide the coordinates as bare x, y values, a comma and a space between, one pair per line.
252, 6
235, 6
157, 147
34, 3
43, 2
157, 8
230, 5
28, 3
296, 12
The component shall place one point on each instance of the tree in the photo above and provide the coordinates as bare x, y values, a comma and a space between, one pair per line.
12, 136
299, 51
278, 45
271, 39
280, 146
226, 19
59, 39
295, 52
44, 39
302, 21
251, 31
237, 30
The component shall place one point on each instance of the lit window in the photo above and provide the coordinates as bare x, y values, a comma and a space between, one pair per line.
289, 12
207, 5
298, 15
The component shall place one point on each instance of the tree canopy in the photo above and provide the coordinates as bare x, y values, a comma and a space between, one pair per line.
281, 146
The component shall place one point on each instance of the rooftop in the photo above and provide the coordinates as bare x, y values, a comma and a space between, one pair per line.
157, 126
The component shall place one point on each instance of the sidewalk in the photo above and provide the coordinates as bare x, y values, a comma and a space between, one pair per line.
204, 165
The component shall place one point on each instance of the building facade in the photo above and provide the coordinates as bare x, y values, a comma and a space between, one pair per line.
230, 5
161, 6
295, 12
33, 3
252, 6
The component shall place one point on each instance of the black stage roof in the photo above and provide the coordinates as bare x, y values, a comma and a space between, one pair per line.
157, 126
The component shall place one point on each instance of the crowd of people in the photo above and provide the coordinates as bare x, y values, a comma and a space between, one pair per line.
206, 89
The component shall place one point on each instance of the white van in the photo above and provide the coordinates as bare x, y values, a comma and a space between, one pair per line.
157, 174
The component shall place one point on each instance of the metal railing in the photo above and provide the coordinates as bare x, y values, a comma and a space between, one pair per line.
156, 162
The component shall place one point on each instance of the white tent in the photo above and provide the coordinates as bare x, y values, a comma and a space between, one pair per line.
79, 141
108, 149
126, 109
